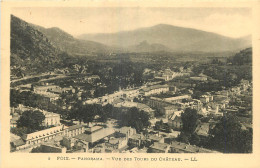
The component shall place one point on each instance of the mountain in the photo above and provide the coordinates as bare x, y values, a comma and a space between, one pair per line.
172, 37
37, 49
144, 46
31, 50
71, 45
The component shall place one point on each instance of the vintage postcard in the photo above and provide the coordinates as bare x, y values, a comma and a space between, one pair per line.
130, 84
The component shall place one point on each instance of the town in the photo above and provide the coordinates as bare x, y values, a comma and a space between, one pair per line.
122, 108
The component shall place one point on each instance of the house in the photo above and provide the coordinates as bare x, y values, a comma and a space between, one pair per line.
94, 134
51, 119
206, 98
14, 119
116, 144
68, 142
127, 131
168, 110
155, 89
137, 140
92, 79
175, 121
140, 106
158, 147
16, 144
202, 130
179, 147
199, 78
74, 130
50, 148
153, 138
203, 111
160, 103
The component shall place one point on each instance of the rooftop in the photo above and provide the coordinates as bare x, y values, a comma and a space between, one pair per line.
73, 127
138, 137
95, 136
154, 87
94, 128
42, 133
19, 142
124, 130
202, 129
160, 146
154, 137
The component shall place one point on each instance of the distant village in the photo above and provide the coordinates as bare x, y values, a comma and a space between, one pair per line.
163, 99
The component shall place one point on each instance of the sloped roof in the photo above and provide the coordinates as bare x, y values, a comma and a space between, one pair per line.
202, 129
95, 136
73, 127
190, 148
18, 142
13, 137
160, 146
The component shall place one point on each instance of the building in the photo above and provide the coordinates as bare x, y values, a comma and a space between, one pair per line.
14, 118
127, 131
160, 103
51, 119
92, 78
167, 75
158, 147
130, 93
202, 130
175, 122
50, 148
94, 134
43, 135
68, 142
179, 147
16, 142
199, 78
137, 140
74, 130
116, 145
206, 98
140, 140
140, 106
168, 110
49, 93
155, 89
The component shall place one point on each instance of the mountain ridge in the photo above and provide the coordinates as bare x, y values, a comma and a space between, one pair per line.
70, 44
173, 37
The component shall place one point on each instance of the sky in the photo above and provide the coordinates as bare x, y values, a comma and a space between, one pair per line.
231, 22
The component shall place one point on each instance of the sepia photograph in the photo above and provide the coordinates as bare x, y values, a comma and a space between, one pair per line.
130, 80
171, 83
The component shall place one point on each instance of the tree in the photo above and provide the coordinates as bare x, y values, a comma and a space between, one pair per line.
228, 137
184, 137
189, 119
20, 131
194, 139
31, 120
134, 118
246, 139
158, 125
107, 112
15, 98
87, 113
